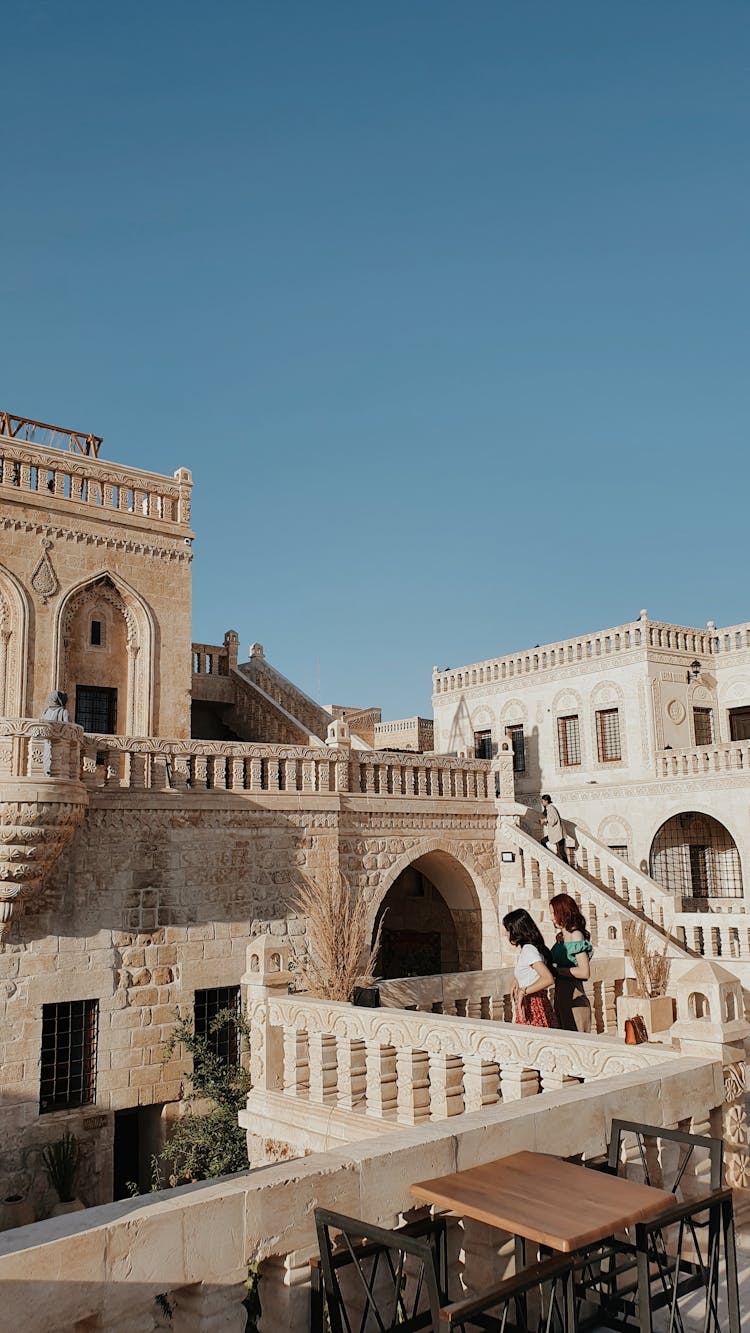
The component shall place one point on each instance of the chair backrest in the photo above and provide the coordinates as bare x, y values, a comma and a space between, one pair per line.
376, 1279
665, 1170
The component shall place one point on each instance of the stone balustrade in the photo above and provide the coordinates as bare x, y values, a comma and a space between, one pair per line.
704, 760
488, 994
643, 633
324, 1071
164, 765
39, 750
216, 659
608, 889
87, 481
103, 1269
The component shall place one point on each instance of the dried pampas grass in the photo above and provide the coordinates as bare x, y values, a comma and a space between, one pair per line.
651, 966
338, 955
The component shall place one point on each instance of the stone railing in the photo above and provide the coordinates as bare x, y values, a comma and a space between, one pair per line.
30, 749
704, 760
118, 1266
324, 1071
642, 633
26, 467
285, 693
216, 659
164, 765
488, 994
731, 638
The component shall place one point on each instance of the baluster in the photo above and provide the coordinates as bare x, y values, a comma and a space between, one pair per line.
221, 772
342, 775
397, 779
409, 784
308, 775
296, 1063
413, 1086
474, 1007
160, 770
137, 770
200, 771
552, 1081
446, 1085
205, 1305
272, 769
517, 1083
481, 1082
381, 1089
113, 768
352, 1072
236, 773
382, 775
290, 775
323, 1074
369, 778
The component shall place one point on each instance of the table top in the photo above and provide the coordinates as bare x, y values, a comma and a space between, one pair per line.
545, 1200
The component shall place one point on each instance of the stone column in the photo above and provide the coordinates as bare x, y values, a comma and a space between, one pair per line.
204, 1307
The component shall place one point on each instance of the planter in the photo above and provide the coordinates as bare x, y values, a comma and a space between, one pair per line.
658, 1012
70, 1206
17, 1212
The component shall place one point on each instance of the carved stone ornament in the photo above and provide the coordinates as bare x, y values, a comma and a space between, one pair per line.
44, 580
735, 1082
676, 711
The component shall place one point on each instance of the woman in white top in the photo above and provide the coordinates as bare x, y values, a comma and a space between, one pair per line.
533, 971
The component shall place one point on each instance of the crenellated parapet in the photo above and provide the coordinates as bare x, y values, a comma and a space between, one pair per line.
42, 803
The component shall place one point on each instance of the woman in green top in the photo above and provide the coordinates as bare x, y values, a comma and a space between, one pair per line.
571, 957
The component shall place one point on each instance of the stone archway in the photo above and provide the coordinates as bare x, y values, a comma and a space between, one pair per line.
14, 646
435, 916
121, 654
694, 856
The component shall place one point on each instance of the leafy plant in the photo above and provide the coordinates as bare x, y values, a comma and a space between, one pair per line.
338, 956
651, 966
61, 1161
211, 1144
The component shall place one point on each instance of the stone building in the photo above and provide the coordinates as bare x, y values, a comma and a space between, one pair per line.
640, 733
141, 852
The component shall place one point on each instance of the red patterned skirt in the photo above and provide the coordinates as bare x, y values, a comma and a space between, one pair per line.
536, 1011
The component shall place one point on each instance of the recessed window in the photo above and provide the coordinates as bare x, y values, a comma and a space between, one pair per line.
703, 722
483, 744
569, 740
96, 709
225, 1041
96, 633
515, 735
608, 735
68, 1077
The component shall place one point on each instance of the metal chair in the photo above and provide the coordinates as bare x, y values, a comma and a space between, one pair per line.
675, 1254
395, 1282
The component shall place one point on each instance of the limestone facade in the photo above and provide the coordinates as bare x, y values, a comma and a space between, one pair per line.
627, 728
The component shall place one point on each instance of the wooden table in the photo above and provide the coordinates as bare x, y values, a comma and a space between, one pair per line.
544, 1200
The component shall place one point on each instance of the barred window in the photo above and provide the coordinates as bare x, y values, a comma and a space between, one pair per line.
68, 1073
225, 1042
482, 744
608, 734
515, 735
96, 709
619, 849
696, 856
569, 740
703, 722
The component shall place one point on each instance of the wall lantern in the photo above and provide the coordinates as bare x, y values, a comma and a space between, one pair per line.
694, 671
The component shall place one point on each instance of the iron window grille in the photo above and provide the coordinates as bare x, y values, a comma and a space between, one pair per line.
695, 856
619, 849
608, 735
225, 1041
96, 709
569, 740
68, 1064
703, 723
482, 744
515, 734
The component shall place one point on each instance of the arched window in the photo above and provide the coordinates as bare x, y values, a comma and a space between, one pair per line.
695, 856
699, 1006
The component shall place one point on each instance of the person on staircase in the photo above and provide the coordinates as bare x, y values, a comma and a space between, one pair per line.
554, 833
571, 959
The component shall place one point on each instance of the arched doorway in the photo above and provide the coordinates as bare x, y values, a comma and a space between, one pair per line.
430, 920
693, 855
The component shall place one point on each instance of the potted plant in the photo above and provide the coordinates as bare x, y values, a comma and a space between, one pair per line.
17, 1212
61, 1161
646, 995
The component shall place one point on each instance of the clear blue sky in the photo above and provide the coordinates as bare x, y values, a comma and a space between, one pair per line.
445, 305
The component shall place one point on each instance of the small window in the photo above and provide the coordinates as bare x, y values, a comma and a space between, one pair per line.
68, 1076
608, 735
569, 739
703, 722
96, 709
225, 1042
483, 744
515, 734
96, 633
